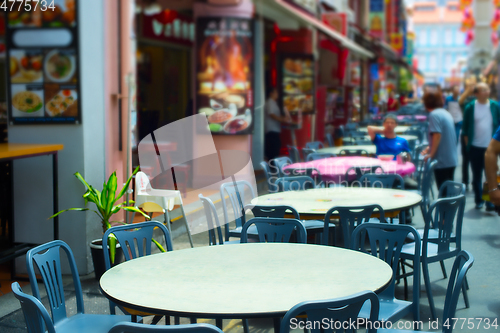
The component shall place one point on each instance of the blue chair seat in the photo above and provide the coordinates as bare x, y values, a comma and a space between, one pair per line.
90, 323
315, 224
389, 309
433, 234
432, 250
236, 232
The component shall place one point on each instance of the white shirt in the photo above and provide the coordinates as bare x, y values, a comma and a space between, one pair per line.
483, 125
271, 125
456, 112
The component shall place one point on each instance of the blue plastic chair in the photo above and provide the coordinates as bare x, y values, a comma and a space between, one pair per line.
354, 173
275, 230
270, 178
235, 191
294, 154
136, 241
312, 226
353, 152
213, 223
315, 145
319, 156
329, 139
306, 151
295, 183
386, 242
463, 262
425, 185
141, 328
38, 320
350, 218
279, 163
447, 214
336, 310
47, 258
305, 171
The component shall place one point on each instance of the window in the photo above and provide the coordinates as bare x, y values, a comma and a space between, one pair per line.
422, 37
448, 37
432, 62
459, 37
448, 62
434, 37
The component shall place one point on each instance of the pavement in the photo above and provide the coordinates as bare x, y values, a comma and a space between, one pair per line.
481, 237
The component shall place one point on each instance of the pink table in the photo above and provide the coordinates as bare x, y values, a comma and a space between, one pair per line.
333, 169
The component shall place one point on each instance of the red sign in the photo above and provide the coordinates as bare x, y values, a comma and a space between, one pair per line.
338, 21
169, 26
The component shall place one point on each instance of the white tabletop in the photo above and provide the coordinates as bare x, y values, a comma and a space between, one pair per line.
319, 201
371, 149
397, 130
242, 280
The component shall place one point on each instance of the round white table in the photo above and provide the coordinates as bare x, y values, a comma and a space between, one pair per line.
241, 280
397, 130
319, 201
371, 149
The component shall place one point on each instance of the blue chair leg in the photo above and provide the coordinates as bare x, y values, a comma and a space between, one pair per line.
466, 283
277, 323
192, 320
245, 326
443, 269
155, 320
218, 323
466, 297
425, 270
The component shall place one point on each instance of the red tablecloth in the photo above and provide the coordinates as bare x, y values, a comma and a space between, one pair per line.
334, 169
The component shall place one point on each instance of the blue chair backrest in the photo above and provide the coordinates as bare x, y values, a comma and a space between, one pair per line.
415, 156
36, 316
275, 230
463, 262
212, 221
294, 154
315, 145
273, 211
353, 152
446, 215
382, 180
295, 183
319, 156
355, 173
351, 126
350, 218
141, 328
306, 152
426, 184
451, 189
386, 242
135, 239
278, 164
47, 258
235, 191
339, 310
329, 139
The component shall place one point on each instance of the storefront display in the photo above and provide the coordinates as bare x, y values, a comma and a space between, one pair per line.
43, 78
297, 83
224, 79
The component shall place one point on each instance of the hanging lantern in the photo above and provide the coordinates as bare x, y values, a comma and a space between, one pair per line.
496, 3
468, 21
469, 37
495, 22
465, 3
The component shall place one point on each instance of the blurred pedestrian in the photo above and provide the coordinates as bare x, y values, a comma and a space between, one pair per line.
481, 119
451, 104
491, 168
392, 102
442, 138
468, 96
272, 124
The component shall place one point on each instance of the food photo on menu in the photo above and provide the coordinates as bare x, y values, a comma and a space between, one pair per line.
60, 65
224, 74
26, 66
297, 77
56, 13
60, 102
27, 100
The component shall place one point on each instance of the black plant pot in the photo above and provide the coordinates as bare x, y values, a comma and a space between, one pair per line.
98, 257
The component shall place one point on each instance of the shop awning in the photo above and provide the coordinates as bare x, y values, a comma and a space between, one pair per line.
307, 19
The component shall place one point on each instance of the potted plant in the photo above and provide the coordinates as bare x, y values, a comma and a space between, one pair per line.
106, 202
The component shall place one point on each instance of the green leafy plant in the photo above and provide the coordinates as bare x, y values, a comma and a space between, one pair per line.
106, 202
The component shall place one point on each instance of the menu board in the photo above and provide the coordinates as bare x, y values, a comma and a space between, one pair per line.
297, 83
42, 53
224, 80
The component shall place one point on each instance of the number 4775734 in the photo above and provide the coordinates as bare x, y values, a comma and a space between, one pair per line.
26, 5
471, 323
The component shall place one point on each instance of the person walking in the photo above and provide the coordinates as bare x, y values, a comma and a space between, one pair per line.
272, 124
453, 106
481, 119
442, 138
491, 168
465, 98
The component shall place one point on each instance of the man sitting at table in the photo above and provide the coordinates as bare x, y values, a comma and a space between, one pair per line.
389, 144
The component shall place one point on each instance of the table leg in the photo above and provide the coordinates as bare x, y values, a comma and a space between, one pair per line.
55, 196
277, 323
218, 323
187, 226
